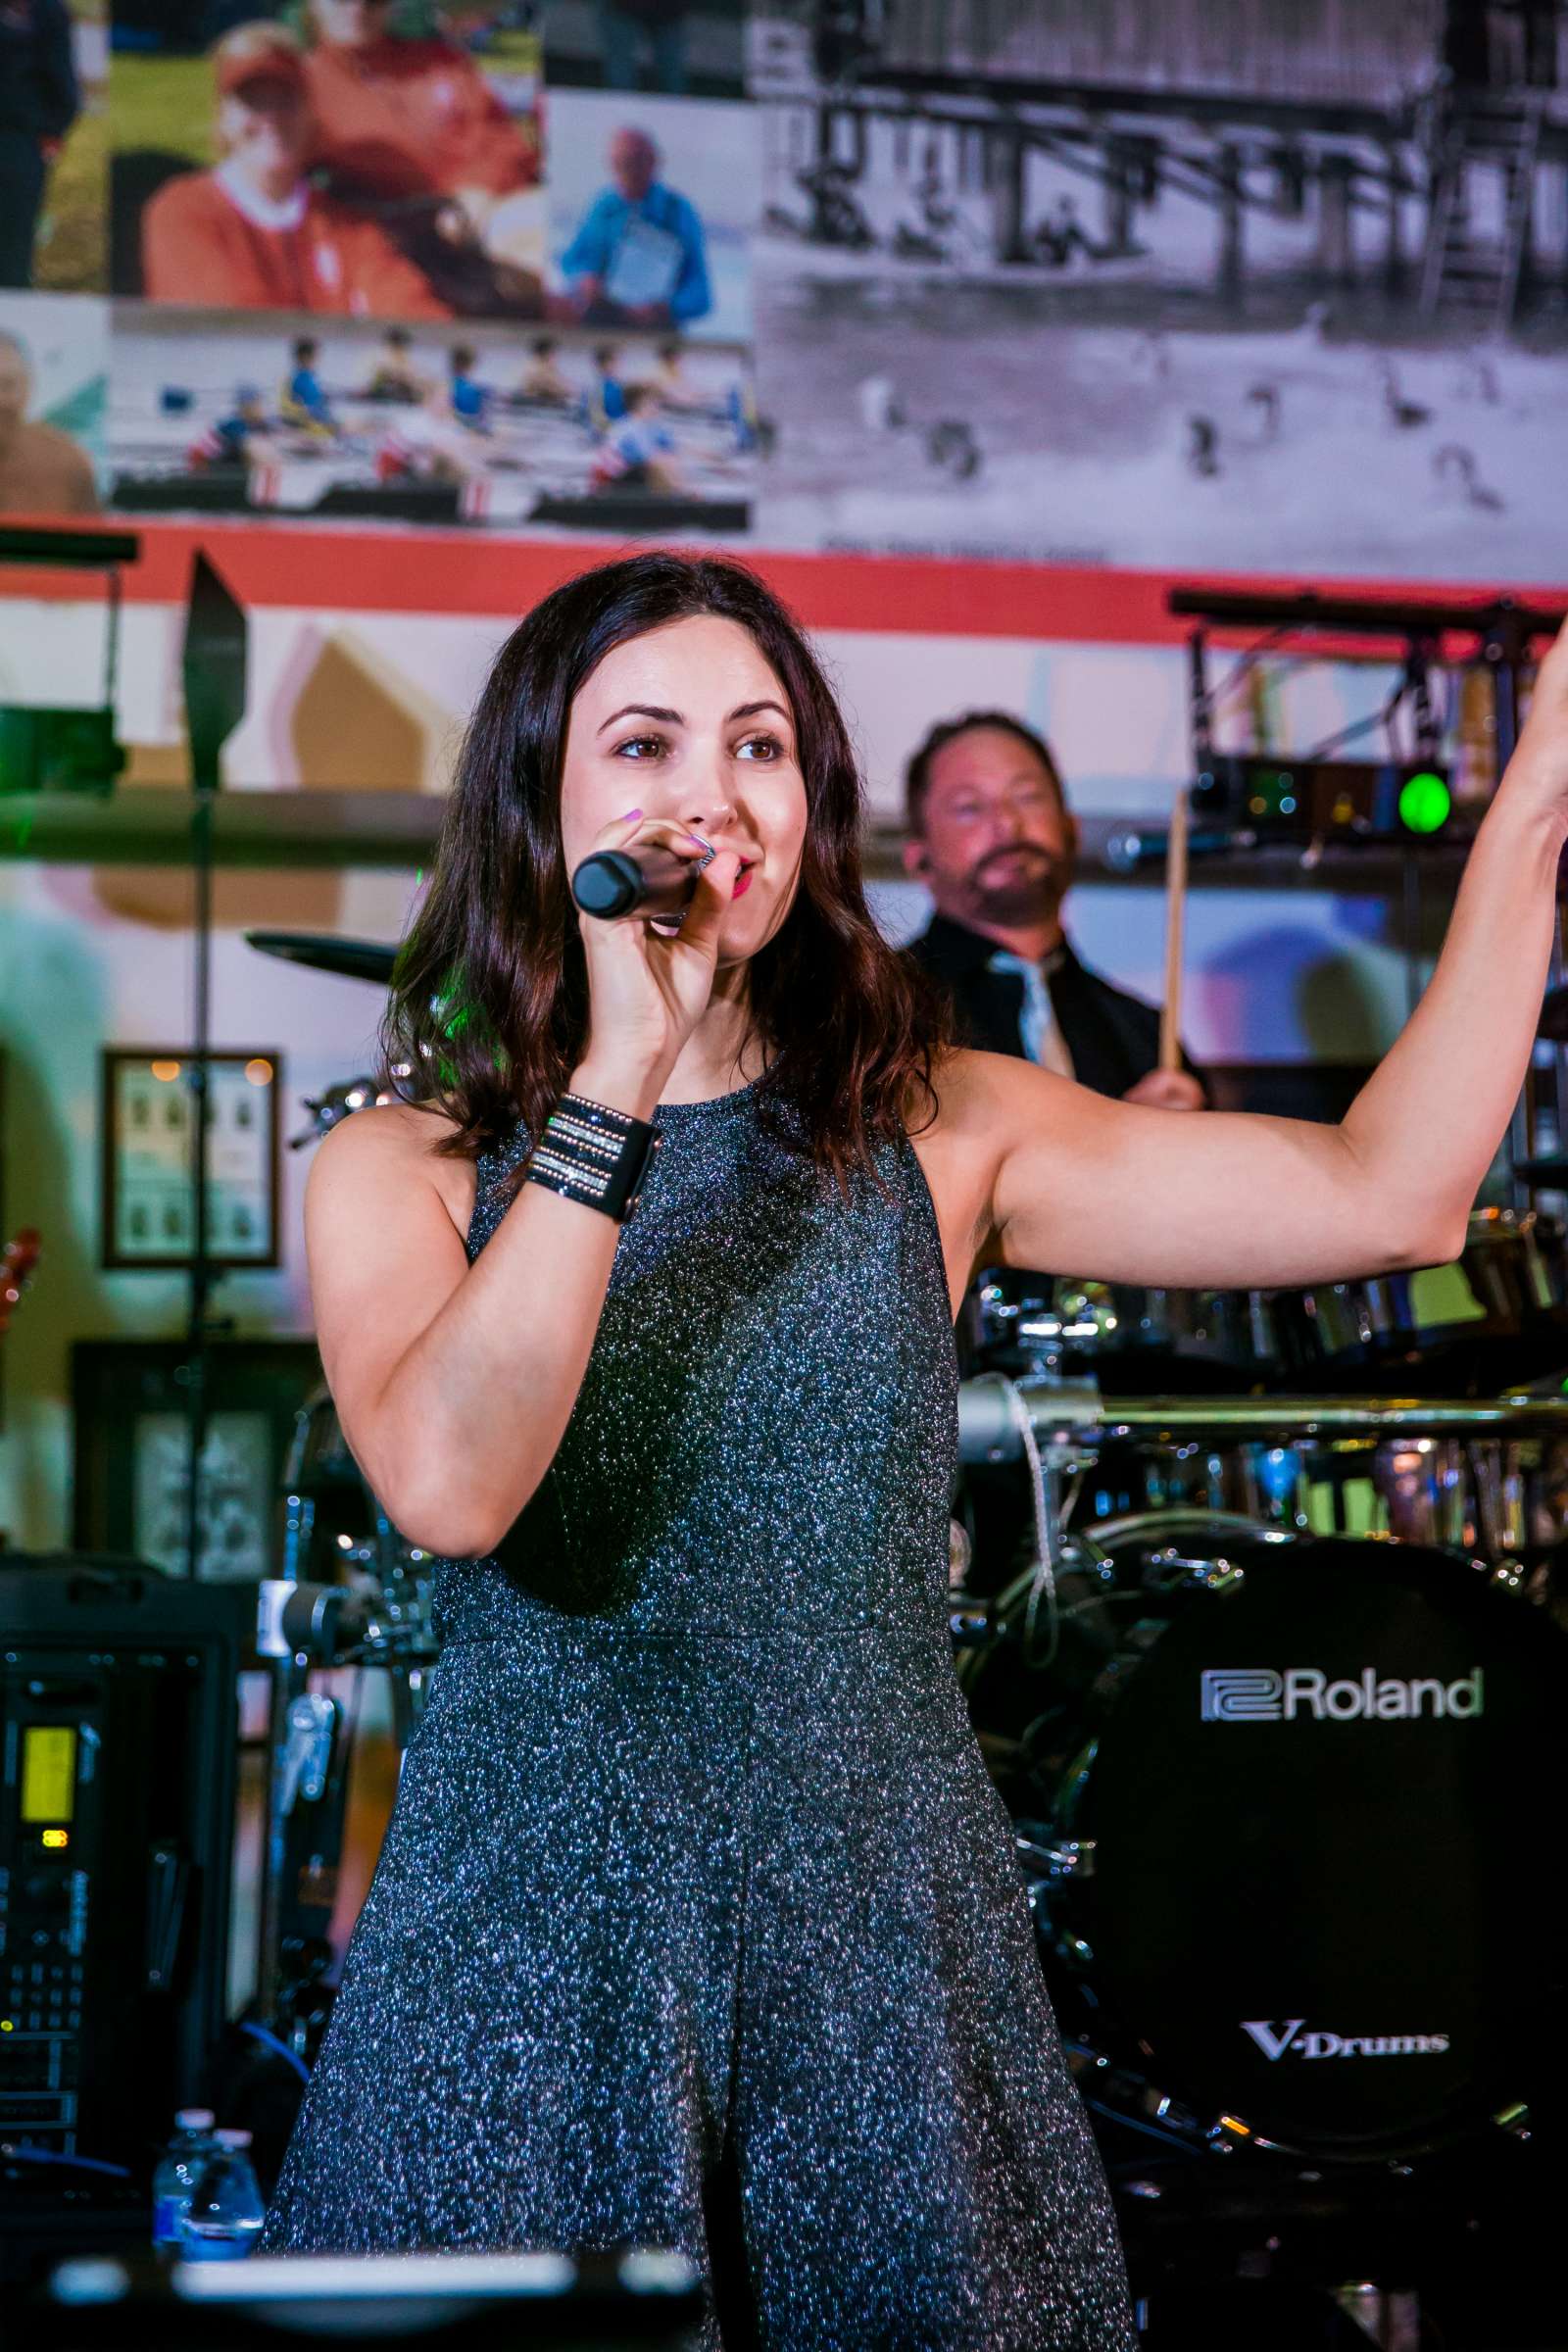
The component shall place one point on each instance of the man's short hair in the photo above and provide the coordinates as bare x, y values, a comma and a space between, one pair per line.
306, 348
918, 775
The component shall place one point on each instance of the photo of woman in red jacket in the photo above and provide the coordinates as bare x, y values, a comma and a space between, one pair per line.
254, 233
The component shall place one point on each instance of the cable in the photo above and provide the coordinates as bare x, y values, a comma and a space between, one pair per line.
14, 2152
1133, 2122
1391, 739
1383, 717
1047, 1532
1247, 662
279, 2049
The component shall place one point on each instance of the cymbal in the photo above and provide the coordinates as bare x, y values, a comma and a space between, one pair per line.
353, 958
1553, 1021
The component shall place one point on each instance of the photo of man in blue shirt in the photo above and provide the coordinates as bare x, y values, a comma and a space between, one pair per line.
638, 257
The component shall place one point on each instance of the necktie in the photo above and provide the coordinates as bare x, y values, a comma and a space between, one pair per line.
1037, 1026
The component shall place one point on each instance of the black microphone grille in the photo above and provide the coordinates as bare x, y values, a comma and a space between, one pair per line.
607, 883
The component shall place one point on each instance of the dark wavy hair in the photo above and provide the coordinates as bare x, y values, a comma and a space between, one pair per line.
488, 1011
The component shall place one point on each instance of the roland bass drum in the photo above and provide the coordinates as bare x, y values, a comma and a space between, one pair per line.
1292, 1811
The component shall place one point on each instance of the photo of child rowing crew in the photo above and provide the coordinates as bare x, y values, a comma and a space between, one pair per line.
467, 427
355, 159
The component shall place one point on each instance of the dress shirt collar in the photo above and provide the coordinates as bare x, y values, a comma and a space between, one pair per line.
960, 950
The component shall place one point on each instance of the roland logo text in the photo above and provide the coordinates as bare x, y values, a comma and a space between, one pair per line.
1264, 1695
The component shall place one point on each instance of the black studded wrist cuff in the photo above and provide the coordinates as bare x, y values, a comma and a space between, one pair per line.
592, 1153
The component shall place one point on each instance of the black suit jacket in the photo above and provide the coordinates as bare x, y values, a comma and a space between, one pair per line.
1114, 1038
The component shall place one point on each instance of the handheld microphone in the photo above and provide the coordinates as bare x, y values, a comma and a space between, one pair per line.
650, 882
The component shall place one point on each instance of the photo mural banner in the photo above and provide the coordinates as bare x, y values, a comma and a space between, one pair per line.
1203, 284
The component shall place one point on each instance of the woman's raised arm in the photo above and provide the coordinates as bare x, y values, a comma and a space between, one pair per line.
1112, 1190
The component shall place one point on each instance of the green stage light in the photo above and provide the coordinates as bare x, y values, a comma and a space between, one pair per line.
1425, 802
58, 751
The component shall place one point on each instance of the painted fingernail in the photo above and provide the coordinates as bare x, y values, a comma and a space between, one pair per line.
631, 814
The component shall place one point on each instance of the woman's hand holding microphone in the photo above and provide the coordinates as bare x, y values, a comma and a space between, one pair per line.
649, 978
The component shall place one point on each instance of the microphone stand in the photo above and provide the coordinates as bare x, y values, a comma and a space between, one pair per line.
1504, 647
203, 1275
213, 673
1416, 684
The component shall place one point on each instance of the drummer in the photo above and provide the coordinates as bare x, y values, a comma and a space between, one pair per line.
994, 841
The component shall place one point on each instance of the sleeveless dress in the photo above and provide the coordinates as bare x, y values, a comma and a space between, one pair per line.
698, 1921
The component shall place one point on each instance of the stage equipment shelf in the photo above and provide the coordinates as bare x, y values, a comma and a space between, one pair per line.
148, 825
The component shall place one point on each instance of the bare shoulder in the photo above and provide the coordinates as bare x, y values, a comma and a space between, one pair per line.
983, 1102
982, 1099
387, 1153
988, 1106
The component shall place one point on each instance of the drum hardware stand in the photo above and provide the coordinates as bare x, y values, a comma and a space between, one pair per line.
1415, 686
299, 1622
214, 662
1073, 1415
303, 1626
1505, 649
1481, 1452
310, 1813
1390, 2320
1048, 1860
1053, 1421
335, 1105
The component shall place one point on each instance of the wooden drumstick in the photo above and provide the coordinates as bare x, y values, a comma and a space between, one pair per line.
1170, 1018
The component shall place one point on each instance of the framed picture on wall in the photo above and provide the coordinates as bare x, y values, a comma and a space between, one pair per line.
4, 1238
148, 1200
132, 1449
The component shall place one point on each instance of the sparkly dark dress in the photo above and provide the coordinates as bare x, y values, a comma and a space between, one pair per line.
698, 1920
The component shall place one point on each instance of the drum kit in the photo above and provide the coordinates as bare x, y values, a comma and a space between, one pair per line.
1268, 1663
1267, 1655
1259, 1606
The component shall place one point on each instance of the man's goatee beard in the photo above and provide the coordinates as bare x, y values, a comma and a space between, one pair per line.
1018, 907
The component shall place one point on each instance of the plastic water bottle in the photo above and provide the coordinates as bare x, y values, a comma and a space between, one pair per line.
177, 2168
224, 2216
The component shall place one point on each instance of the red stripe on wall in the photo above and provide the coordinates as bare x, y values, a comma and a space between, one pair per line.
449, 573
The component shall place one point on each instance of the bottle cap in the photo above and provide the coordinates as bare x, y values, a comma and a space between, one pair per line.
194, 2119
232, 2139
